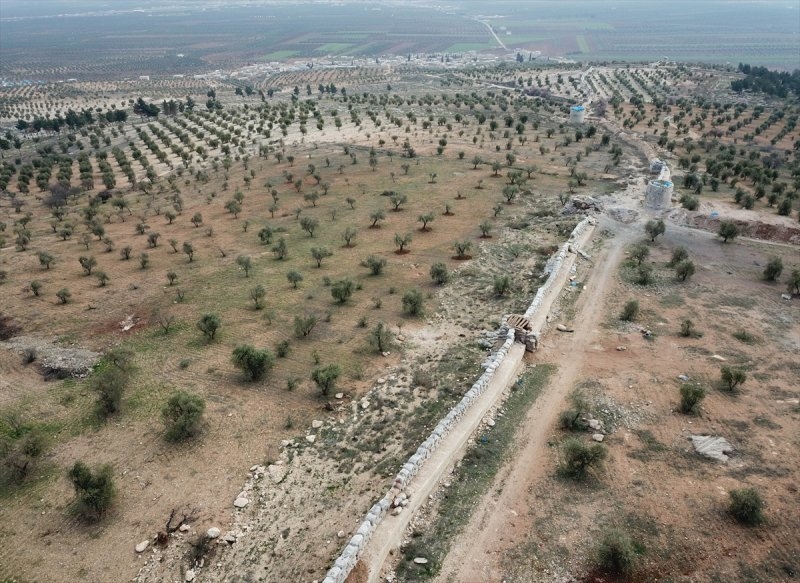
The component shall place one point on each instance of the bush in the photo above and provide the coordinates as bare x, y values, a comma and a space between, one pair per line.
21, 444
342, 290
283, 349
688, 330
439, 273
644, 274
375, 264
380, 338
325, 378
732, 377
412, 302
254, 363
501, 284
616, 553
773, 269
208, 325
678, 254
94, 489
728, 230
110, 385
578, 457
183, 415
746, 506
654, 228
303, 325
684, 269
639, 253
689, 202
630, 312
691, 395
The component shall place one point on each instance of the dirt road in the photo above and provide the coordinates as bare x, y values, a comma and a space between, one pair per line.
504, 513
389, 532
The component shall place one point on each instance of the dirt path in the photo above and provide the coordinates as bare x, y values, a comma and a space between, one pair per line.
503, 515
390, 531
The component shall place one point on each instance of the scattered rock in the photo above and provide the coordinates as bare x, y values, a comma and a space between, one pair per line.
385, 353
595, 424
397, 511
683, 377
339, 395
229, 538
712, 446
490, 422
786, 297
142, 546
277, 473
213, 532
622, 348
340, 534
598, 437
364, 404
316, 424
184, 528
190, 575
718, 357
563, 328
420, 560
241, 502
311, 438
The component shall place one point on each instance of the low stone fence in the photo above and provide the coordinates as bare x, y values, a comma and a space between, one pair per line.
351, 553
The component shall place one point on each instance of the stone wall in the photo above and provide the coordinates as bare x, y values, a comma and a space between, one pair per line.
351, 553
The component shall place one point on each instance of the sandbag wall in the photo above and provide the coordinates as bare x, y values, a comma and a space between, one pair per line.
351, 553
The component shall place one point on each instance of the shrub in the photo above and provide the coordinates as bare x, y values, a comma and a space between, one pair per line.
183, 415
208, 325
342, 290
325, 378
616, 553
501, 284
380, 338
728, 231
773, 269
254, 363
375, 264
94, 489
283, 348
689, 202
678, 254
732, 377
64, 295
578, 457
691, 395
688, 330
110, 385
35, 286
439, 273
655, 228
684, 269
412, 302
294, 277
746, 506
303, 325
630, 312
644, 274
257, 294
639, 253
21, 444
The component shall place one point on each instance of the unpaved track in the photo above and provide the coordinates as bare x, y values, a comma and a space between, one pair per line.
389, 533
504, 512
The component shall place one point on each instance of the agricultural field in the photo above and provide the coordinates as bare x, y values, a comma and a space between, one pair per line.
316, 262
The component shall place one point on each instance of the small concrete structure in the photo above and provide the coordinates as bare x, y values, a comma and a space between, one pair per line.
656, 166
659, 194
577, 114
